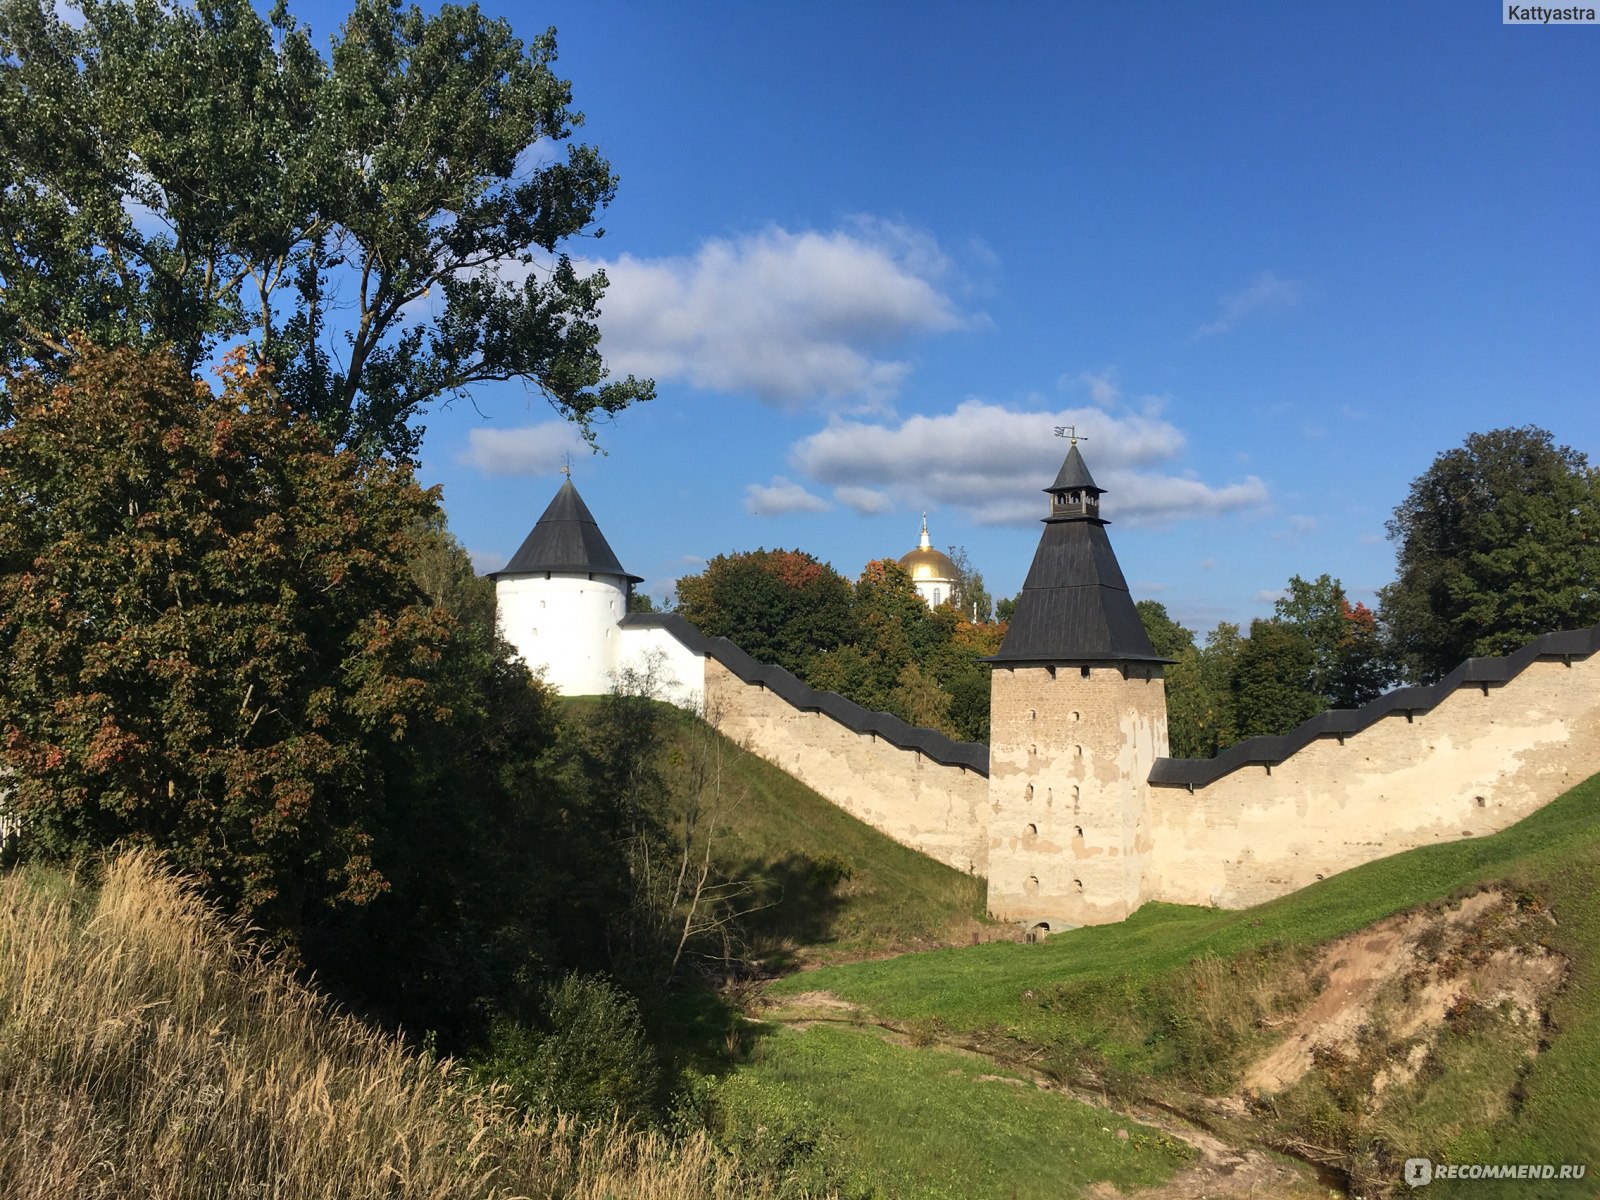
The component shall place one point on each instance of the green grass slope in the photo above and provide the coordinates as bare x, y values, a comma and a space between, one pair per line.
1131, 997
837, 887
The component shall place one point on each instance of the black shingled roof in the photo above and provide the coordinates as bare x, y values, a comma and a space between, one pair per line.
1342, 722
1074, 474
1074, 606
941, 749
566, 539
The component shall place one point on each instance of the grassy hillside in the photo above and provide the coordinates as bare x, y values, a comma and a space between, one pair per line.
1174, 1001
837, 888
144, 1052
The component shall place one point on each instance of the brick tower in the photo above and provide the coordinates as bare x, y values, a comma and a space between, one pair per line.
1078, 715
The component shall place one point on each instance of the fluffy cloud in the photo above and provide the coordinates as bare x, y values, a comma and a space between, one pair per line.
779, 498
992, 461
795, 318
524, 450
1266, 292
869, 502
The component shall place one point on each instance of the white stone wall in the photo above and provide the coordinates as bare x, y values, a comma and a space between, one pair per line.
565, 625
680, 673
936, 809
1480, 760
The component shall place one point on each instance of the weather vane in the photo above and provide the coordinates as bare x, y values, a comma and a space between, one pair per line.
1071, 431
566, 465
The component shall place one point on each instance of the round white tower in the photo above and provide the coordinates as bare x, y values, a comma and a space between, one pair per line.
561, 596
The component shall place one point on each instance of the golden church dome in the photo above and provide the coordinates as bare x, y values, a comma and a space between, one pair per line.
927, 564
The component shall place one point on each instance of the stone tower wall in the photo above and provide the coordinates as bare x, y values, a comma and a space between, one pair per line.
1070, 749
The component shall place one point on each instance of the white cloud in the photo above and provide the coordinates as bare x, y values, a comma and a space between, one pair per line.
524, 450
1207, 564
1270, 595
992, 462
1265, 292
779, 498
1104, 390
1297, 528
869, 502
795, 318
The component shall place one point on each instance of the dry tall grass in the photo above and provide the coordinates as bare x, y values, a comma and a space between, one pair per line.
146, 1052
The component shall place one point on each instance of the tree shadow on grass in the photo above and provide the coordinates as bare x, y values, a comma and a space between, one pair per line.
799, 905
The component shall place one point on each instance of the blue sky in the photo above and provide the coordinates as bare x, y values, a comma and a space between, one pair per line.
1271, 259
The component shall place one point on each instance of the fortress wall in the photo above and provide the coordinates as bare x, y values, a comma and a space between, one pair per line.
937, 809
678, 672
1483, 758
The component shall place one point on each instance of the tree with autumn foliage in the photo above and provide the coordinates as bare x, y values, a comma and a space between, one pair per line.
781, 606
1349, 662
874, 642
214, 641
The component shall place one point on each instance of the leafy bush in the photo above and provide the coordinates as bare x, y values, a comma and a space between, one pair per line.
592, 1060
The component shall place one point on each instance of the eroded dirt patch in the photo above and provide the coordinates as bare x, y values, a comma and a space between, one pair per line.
1409, 974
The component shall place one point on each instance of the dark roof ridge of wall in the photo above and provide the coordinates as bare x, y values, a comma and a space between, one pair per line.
941, 749
1344, 722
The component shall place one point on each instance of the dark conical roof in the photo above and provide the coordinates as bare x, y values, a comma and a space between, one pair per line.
1074, 473
566, 539
1074, 605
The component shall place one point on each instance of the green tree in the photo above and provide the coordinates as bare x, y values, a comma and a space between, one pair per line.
780, 606
1186, 702
1272, 692
894, 628
1216, 721
1498, 541
1349, 666
376, 224
971, 598
210, 637
1167, 636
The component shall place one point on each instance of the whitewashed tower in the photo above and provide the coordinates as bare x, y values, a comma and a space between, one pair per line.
1078, 718
561, 596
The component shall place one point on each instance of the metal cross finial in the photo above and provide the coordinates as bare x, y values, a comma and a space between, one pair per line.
1071, 431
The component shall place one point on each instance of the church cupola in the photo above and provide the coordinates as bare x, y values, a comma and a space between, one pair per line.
932, 572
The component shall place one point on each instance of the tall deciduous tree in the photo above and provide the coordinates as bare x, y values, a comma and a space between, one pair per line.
387, 225
1272, 690
1498, 542
781, 606
1348, 666
211, 639
971, 598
